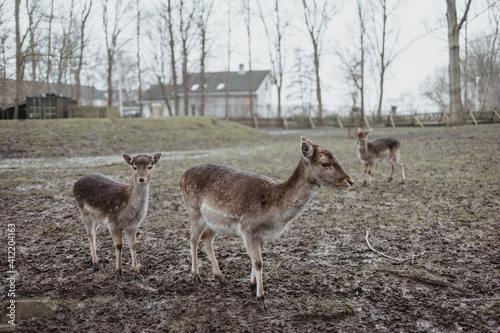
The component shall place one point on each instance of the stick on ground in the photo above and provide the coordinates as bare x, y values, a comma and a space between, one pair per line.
383, 254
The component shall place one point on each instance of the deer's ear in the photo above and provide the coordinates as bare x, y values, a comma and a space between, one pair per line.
307, 150
155, 158
359, 129
128, 158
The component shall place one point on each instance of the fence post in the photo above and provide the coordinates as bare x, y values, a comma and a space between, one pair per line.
366, 122
474, 119
418, 121
392, 121
496, 113
285, 122
255, 122
311, 122
340, 122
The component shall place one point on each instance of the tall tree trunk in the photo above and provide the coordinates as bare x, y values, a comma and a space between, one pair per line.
456, 107
490, 69
228, 57
172, 59
18, 63
139, 59
82, 46
250, 87
32, 28
202, 75
49, 47
110, 83
185, 78
318, 83
165, 95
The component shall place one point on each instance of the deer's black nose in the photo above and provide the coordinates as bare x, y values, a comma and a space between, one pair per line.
350, 182
142, 180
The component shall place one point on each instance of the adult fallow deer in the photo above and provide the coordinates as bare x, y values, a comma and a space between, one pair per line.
224, 200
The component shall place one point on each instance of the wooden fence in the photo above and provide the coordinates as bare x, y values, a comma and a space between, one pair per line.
417, 119
87, 111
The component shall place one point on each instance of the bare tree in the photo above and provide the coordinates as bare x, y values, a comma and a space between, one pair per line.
160, 55
456, 108
139, 92
49, 47
84, 15
203, 16
435, 88
385, 55
20, 59
226, 86
316, 17
112, 31
173, 62
494, 17
186, 17
362, 33
275, 48
66, 47
4, 35
34, 19
301, 83
247, 16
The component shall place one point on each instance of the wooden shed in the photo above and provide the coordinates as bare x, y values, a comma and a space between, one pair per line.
48, 106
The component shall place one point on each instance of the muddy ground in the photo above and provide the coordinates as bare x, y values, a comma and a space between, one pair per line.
319, 276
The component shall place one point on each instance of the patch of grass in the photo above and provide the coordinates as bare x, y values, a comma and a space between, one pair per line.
94, 137
325, 308
492, 310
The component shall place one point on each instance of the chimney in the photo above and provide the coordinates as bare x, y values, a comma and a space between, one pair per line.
241, 70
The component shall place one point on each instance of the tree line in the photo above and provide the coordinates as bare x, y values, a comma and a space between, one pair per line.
55, 43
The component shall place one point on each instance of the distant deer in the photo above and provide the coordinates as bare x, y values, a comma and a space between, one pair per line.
224, 200
381, 149
119, 207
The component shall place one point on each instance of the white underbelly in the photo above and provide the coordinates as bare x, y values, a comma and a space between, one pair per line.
221, 221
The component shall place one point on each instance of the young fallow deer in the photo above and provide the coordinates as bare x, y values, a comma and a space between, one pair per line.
378, 150
119, 207
224, 200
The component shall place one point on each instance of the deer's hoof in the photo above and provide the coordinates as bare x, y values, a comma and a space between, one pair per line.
365, 184
95, 266
196, 278
119, 274
220, 278
389, 180
262, 304
253, 288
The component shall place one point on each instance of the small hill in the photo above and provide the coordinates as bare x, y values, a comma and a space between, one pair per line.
94, 137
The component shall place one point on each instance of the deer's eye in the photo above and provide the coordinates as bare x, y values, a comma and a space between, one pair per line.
149, 167
135, 168
326, 165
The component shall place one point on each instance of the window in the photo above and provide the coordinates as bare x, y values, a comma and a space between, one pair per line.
195, 87
220, 86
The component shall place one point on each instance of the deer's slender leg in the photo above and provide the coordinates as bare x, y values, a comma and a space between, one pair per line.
254, 247
197, 227
131, 236
365, 174
370, 166
402, 171
392, 170
116, 234
90, 227
207, 238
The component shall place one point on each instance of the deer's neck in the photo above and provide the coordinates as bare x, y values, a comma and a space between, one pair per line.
138, 197
294, 194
